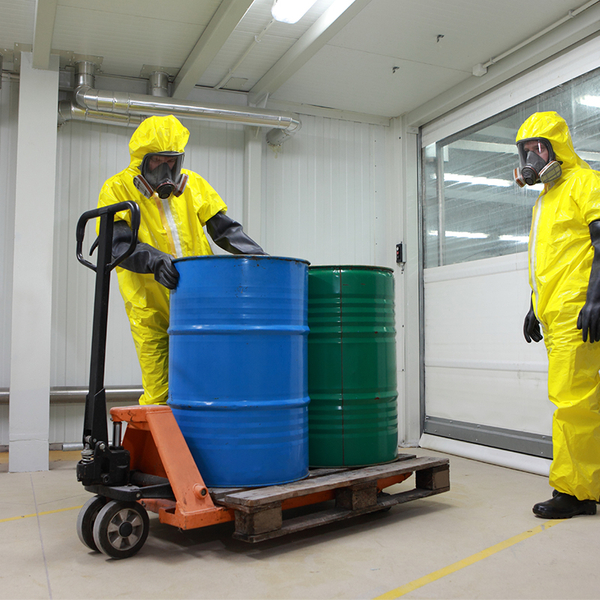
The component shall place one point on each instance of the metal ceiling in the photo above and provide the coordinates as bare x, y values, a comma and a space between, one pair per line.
378, 57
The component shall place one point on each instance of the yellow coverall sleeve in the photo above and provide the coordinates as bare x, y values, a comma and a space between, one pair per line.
587, 195
207, 202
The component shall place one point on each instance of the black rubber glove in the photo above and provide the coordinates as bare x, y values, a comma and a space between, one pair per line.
589, 317
145, 258
229, 235
531, 326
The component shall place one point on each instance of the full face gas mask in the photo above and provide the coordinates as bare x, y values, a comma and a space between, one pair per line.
161, 173
537, 162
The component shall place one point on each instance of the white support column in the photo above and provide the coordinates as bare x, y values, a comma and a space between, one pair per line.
393, 226
411, 280
32, 275
253, 184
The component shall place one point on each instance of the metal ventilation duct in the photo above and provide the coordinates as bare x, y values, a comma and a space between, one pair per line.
129, 108
67, 111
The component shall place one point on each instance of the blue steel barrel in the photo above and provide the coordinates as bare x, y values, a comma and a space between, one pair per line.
238, 383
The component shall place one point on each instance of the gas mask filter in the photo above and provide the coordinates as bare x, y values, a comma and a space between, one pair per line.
163, 179
533, 168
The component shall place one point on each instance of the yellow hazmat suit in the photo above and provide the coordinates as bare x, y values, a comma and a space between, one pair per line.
174, 226
560, 261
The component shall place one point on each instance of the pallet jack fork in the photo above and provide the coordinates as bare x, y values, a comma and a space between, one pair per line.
153, 469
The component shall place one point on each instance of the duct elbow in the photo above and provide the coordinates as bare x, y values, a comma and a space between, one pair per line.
86, 97
276, 137
68, 111
64, 112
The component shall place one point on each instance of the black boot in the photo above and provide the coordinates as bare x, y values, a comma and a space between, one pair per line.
564, 506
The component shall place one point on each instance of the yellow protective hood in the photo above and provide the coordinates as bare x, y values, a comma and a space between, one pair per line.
553, 127
157, 134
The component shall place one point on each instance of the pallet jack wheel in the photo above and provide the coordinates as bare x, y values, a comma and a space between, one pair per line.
121, 529
86, 519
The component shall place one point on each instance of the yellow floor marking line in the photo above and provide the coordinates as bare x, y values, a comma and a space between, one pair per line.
48, 512
461, 564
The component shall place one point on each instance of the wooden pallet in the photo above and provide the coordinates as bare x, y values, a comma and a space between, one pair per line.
356, 491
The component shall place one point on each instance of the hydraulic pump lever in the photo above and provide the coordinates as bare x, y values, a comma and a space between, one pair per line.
101, 463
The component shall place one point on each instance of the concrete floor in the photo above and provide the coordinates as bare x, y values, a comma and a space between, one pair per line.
480, 540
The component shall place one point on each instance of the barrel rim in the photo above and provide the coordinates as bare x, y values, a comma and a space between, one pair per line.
351, 268
241, 256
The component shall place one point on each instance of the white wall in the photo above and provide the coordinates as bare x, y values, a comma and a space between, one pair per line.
479, 369
325, 199
325, 194
88, 155
333, 195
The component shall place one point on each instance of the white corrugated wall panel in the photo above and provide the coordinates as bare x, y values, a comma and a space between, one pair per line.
88, 155
66, 421
323, 200
8, 151
478, 367
324, 193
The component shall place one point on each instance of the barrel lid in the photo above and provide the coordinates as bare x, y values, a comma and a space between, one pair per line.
350, 268
241, 256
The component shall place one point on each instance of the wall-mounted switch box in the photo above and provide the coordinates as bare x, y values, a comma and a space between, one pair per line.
400, 257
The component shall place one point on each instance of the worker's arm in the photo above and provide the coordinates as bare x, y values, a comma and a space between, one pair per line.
145, 258
229, 235
531, 326
589, 317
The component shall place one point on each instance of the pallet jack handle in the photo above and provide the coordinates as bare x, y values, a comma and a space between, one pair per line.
103, 214
101, 463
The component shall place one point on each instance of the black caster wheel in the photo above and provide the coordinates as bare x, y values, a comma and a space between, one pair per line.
121, 529
383, 495
85, 521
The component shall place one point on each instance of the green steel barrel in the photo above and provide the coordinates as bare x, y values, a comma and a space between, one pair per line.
353, 414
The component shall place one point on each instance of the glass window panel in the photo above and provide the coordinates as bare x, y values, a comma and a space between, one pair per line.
472, 209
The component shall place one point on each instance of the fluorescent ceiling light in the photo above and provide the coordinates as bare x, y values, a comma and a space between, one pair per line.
477, 180
521, 239
461, 234
467, 234
588, 100
290, 11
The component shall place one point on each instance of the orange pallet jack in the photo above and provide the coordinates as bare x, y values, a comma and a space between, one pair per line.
152, 469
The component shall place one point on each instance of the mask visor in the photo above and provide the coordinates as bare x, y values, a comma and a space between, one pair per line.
164, 177
534, 155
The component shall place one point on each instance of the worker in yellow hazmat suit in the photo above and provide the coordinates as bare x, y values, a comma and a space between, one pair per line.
564, 270
174, 204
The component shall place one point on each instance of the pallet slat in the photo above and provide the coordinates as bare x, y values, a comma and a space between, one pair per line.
218, 494
325, 517
259, 514
278, 493
247, 533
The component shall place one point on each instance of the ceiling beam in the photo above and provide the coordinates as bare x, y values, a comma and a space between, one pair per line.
45, 14
217, 32
330, 23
